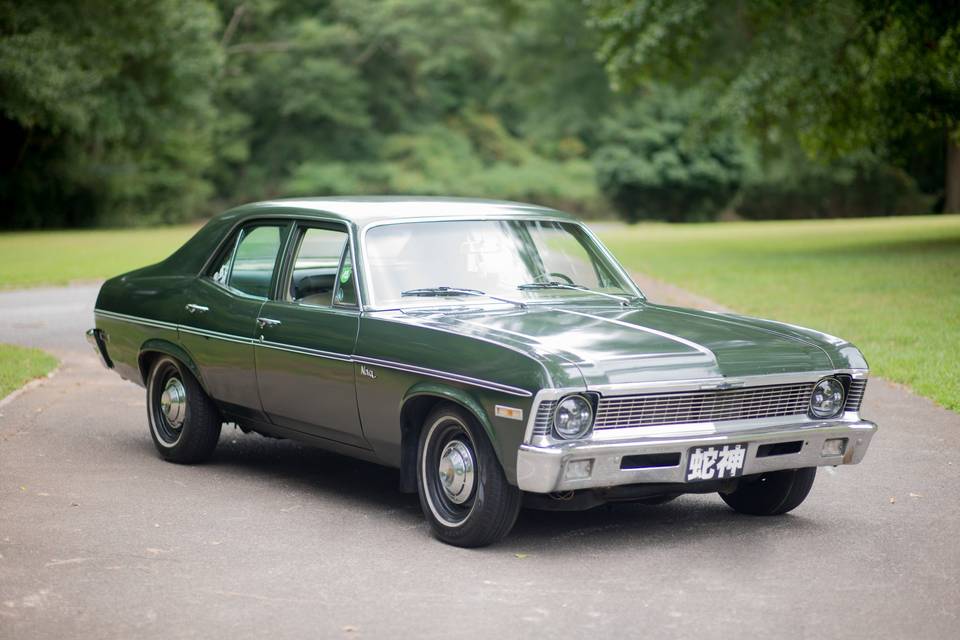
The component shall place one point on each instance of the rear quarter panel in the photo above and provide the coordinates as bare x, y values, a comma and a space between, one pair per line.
135, 308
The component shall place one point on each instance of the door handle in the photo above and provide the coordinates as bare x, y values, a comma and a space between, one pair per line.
196, 308
267, 322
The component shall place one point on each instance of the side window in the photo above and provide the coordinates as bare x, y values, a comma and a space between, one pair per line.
249, 267
315, 266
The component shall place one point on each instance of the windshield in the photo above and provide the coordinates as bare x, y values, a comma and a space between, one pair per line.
413, 263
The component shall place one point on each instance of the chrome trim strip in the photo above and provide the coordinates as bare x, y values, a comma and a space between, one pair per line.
306, 351
699, 384
135, 319
206, 333
434, 373
289, 213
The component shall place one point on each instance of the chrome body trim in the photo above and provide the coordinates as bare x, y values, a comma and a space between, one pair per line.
433, 373
135, 319
702, 384
279, 346
287, 215
540, 469
693, 384
206, 333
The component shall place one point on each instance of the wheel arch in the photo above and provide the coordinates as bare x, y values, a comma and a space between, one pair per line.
417, 403
152, 349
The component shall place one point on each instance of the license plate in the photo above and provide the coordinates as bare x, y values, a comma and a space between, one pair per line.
716, 463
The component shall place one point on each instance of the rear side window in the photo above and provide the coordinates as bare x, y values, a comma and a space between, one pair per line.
249, 267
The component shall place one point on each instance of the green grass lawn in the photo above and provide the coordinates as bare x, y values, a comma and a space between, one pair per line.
31, 258
19, 365
889, 285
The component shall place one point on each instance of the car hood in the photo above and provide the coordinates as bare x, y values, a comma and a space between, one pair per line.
647, 342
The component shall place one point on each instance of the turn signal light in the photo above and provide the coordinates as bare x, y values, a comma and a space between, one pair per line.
834, 447
578, 469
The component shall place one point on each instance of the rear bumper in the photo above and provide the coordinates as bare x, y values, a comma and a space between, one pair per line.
98, 341
542, 469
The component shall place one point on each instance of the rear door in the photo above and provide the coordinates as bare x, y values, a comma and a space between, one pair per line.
219, 320
307, 336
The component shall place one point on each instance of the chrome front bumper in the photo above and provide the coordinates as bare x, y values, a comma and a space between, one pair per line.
541, 469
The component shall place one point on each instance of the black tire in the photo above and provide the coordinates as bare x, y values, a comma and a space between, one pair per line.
771, 494
484, 506
191, 435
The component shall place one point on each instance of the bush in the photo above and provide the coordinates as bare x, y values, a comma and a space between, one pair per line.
855, 187
653, 163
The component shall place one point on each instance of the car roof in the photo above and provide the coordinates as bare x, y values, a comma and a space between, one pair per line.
366, 210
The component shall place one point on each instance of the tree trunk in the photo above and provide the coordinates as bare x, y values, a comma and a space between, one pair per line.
952, 201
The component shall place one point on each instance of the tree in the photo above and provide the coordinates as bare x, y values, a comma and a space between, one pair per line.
846, 75
652, 164
107, 110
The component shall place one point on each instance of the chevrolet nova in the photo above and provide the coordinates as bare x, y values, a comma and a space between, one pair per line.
495, 353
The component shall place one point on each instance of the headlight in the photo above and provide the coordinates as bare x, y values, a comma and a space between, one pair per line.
827, 398
572, 417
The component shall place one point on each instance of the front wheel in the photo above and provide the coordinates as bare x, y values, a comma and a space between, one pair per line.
184, 422
464, 493
771, 494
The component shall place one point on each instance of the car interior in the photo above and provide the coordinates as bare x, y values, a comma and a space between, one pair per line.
315, 268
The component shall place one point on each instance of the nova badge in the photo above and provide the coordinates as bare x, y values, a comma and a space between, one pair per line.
366, 371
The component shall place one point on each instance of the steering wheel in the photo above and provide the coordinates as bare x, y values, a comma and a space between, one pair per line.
547, 277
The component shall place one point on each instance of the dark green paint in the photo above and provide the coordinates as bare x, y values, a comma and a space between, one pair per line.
326, 395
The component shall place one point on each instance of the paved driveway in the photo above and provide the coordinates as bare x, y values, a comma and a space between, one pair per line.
101, 539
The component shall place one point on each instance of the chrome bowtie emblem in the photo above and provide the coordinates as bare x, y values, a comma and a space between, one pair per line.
366, 371
723, 386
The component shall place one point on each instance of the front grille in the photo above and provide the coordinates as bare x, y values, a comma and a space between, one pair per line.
541, 424
855, 395
703, 406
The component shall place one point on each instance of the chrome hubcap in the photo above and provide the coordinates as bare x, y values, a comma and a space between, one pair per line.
173, 403
456, 471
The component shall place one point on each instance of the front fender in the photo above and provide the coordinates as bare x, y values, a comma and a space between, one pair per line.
460, 396
173, 350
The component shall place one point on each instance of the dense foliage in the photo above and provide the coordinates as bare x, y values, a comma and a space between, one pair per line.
106, 113
141, 112
845, 78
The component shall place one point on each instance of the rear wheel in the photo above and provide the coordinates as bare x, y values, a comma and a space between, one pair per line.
464, 493
184, 422
771, 494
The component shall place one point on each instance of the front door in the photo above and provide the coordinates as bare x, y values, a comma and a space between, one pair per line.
219, 321
306, 339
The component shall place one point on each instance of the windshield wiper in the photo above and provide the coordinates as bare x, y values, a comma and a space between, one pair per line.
553, 284
458, 291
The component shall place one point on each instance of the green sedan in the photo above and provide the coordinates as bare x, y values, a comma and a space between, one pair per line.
494, 352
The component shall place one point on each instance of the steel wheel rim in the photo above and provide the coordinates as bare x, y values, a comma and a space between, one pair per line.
450, 474
168, 405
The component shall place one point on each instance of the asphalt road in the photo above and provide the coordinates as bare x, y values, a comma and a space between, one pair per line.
101, 539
